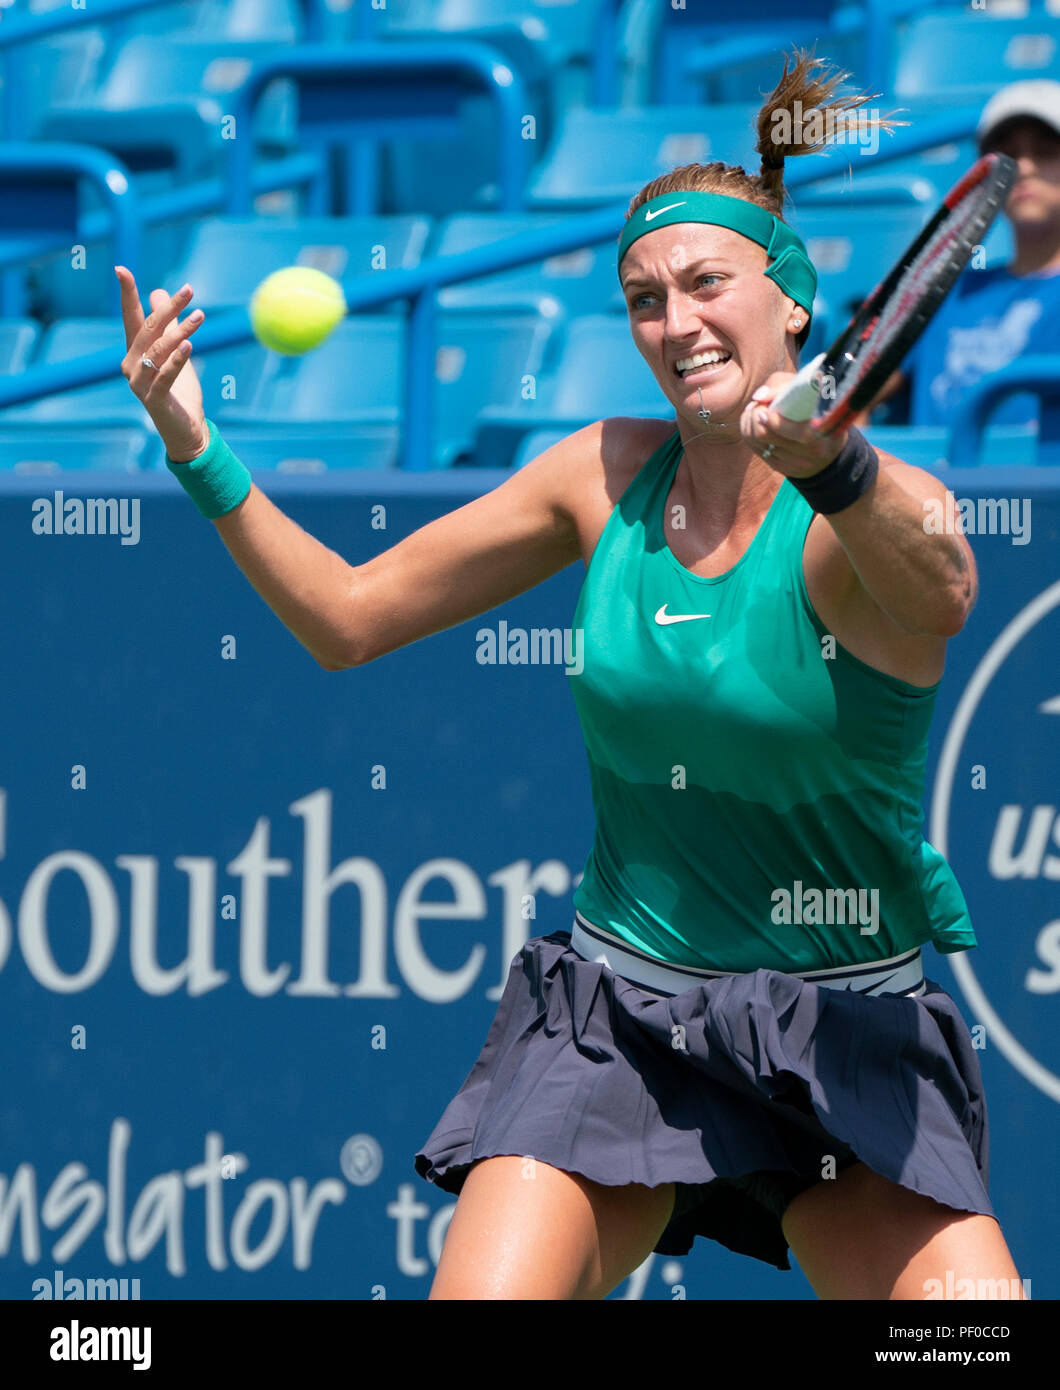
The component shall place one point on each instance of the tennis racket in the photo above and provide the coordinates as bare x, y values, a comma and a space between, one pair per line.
846, 378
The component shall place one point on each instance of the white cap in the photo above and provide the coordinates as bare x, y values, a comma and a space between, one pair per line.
1038, 97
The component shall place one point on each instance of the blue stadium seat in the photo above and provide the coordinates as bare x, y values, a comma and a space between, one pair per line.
62, 67
163, 120
105, 402
852, 249
684, 32
167, 115
562, 30
933, 170
550, 43
601, 156
436, 177
482, 363
949, 59
228, 257
536, 443
599, 373
161, 20
306, 447
926, 445
246, 19
355, 376
50, 449
577, 282
237, 19
18, 342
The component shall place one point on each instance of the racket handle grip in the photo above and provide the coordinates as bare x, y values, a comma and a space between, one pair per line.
798, 400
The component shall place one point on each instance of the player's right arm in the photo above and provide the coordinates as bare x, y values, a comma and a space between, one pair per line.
460, 565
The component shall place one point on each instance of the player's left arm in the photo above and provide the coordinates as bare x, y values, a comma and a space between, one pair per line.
889, 550
898, 552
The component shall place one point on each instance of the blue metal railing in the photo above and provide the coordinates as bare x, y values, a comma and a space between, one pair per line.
62, 163
1037, 372
444, 69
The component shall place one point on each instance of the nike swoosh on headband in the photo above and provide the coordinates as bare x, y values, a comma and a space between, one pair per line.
659, 211
662, 617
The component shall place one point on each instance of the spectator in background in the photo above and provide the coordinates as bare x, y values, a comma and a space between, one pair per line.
995, 314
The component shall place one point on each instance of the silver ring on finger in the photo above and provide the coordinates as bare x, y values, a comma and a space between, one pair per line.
769, 451
145, 361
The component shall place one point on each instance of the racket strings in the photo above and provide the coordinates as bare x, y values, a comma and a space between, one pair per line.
918, 284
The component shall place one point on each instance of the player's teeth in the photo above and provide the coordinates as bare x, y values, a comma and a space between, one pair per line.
704, 359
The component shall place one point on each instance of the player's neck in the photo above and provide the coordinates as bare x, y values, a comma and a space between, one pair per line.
1036, 254
723, 481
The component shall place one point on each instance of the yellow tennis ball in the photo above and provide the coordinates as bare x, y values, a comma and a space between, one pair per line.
294, 310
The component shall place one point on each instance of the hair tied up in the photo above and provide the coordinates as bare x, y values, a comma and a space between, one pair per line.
804, 114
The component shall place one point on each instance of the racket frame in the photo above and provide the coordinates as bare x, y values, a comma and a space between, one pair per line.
800, 398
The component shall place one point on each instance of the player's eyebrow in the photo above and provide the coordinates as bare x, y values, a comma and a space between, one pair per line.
691, 267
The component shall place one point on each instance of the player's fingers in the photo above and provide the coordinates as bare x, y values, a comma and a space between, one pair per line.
761, 423
165, 309
167, 372
132, 314
170, 349
175, 331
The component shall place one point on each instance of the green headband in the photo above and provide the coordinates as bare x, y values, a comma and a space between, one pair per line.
790, 266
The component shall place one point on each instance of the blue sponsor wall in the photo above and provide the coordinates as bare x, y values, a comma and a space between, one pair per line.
241, 977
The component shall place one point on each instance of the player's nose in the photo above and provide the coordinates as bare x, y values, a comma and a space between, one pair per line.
682, 317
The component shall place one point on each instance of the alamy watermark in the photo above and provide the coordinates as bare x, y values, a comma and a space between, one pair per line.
536, 646
952, 1287
818, 127
827, 906
60, 515
60, 1287
979, 516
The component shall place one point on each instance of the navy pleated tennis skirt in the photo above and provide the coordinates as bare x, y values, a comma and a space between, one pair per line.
736, 1089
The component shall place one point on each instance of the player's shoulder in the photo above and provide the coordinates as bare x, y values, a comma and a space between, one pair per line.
601, 458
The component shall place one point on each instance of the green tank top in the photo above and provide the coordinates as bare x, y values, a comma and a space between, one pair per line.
757, 788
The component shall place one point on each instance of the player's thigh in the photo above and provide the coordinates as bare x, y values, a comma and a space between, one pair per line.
861, 1236
525, 1230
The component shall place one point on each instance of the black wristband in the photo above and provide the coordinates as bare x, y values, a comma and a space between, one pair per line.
851, 473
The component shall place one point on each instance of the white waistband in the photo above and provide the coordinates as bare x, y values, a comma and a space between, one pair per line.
902, 974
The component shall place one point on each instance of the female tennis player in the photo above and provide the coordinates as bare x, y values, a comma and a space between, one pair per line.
736, 1039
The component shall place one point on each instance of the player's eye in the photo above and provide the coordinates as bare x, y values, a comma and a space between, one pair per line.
635, 302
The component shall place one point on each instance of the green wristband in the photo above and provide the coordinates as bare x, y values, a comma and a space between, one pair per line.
215, 481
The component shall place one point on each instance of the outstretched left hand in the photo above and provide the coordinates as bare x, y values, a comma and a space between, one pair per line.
798, 451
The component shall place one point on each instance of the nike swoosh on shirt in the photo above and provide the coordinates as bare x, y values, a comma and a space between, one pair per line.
659, 211
662, 617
